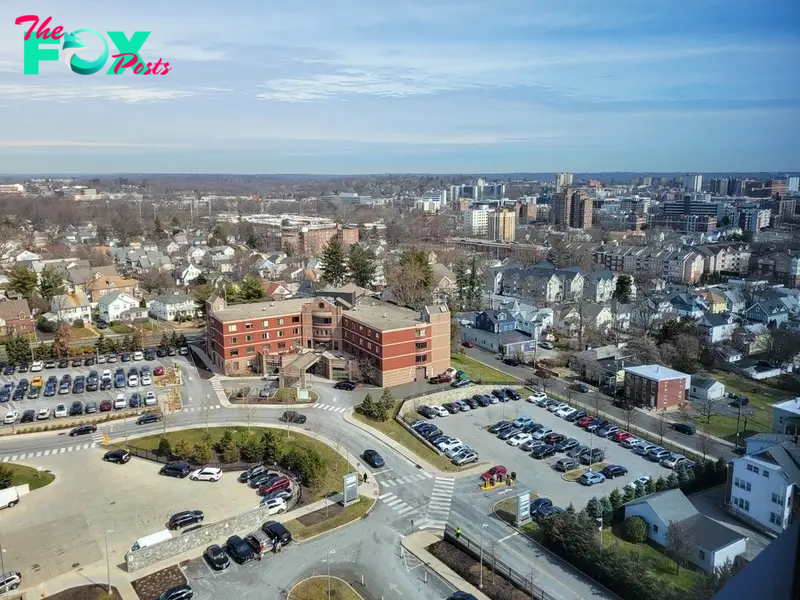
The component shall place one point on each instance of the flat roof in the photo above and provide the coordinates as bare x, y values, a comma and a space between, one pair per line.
382, 315
790, 405
656, 372
256, 310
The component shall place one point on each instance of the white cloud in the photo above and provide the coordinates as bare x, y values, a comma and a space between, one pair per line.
118, 93
81, 144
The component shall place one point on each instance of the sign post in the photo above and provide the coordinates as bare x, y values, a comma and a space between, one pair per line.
523, 508
349, 489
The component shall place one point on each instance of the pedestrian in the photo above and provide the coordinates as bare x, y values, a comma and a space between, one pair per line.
458, 532
278, 547
260, 555
365, 477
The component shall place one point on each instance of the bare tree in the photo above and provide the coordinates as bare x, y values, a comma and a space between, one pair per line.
662, 426
166, 416
316, 426
704, 443
706, 407
629, 413
205, 410
597, 402
680, 542
248, 413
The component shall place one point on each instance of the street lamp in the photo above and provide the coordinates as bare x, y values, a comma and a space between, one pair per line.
330, 553
3, 567
600, 521
480, 584
108, 561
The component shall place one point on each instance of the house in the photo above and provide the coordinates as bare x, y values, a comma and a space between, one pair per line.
717, 327
98, 285
137, 313
496, 321
772, 313
713, 544
655, 386
595, 316
599, 286
705, 388
444, 283
15, 317
762, 487
112, 305
600, 363
735, 301
541, 283
188, 274
786, 417
683, 305
276, 290
715, 303
196, 254
168, 306
72, 306
751, 339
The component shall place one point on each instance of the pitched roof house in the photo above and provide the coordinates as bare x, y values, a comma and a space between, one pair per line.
15, 317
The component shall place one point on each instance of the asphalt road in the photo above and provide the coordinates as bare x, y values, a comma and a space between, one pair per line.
604, 404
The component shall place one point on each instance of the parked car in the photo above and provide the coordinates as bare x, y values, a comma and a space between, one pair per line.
277, 532
347, 386
673, 460
644, 448
178, 469
543, 451
612, 471
531, 444
217, 558
685, 428
536, 396
500, 425
498, 472
567, 444
443, 378
595, 455
567, 464
595, 425
427, 412
507, 433
117, 456
518, 439
281, 483
573, 417
465, 457
658, 454
252, 472
239, 550
178, 592
641, 481
184, 518
539, 504
620, 436
590, 478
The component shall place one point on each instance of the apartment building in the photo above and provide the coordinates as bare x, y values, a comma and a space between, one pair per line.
388, 344
311, 240
656, 387
580, 211
476, 221
725, 258
502, 226
677, 266
561, 208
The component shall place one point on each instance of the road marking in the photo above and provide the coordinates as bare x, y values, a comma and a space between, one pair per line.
47, 453
13, 458
439, 505
61, 451
509, 536
383, 471
38, 454
381, 497
5, 459
397, 504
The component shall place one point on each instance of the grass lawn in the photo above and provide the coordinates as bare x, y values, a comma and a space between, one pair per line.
35, 479
477, 371
401, 435
289, 394
507, 511
316, 588
659, 565
82, 333
149, 326
348, 514
337, 466
121, 329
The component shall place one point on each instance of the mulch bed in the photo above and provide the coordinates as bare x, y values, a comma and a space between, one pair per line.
318, 516
494, 585
150, 587
86, 592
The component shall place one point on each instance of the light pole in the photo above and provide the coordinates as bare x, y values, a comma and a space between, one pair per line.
108, 562
600, 521
3, 567
480, 584
330, 553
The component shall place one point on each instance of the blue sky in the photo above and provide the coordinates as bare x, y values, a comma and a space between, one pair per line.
345, 86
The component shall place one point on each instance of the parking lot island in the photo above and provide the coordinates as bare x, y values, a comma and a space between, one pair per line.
316, 588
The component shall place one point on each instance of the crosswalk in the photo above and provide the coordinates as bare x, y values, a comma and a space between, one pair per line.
439, 506
396, 504
216, 385
51, 452
197, 408
405, 480
328, 407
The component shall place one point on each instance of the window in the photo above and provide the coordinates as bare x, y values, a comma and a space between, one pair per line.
702, 555
295, 319
231, 327
296, 331
281, 345
765, 473
235, 352
280, 333
420, 333
741, 503
749, 467
248, 325
775, 519
265, 335
422, 346
234, 339
248, 338
777, 499
369, 345
265, 323
655, 528
280, 321
421, 358
251, 350
265, 347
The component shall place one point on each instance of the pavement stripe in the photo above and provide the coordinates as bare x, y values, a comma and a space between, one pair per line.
394, 502
387, 495
70, 449
61, 451
406, 510
390, 483
13, 458
47, 452
5, 459
38, 454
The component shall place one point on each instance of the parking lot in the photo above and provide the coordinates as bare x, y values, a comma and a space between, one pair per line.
540, 475
61, 527
12, 384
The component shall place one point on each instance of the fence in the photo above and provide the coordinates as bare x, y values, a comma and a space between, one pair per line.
520, 581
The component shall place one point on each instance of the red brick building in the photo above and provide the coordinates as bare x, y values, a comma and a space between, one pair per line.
15, 317
381, 342
311, 241
656, 387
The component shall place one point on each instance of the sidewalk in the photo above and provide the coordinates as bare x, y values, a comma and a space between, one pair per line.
417, 544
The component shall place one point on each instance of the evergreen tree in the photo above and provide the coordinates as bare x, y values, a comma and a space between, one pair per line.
419, 260
628, 495
368, 406
615, 498
683, 475
607, 511
361, 264
51, 284
164, 343
272, 445
23, 281
474, 285
672, 481
137, 341
100, 344
661, 484
334, 267
251, 290
650, 486
593, 508
18, 349
622, 292
639, 492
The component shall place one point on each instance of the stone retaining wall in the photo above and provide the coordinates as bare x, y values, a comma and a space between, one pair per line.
205, 536
449, 395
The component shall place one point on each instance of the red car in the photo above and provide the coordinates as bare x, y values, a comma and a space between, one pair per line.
105, 406
621, 436
498, 471
443, 378
584, 421
281, 483
468, 344
158, 371
554, 438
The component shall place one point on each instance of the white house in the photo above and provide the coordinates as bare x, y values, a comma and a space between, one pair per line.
599, 286
714, 544
112, 305
196, 253
705, 388
189, 274
72, 306
27, 255
717, 327
763, 484
167, 306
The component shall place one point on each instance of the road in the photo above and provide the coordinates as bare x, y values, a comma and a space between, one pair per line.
604, 405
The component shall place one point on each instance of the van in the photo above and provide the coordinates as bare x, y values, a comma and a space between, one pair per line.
153, 538
685, 428
8, 497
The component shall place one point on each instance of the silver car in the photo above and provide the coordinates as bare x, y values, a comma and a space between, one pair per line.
465, 457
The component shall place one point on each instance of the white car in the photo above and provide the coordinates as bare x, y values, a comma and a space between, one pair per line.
557, 406
519, 438
37, 365
536, 396
673, 460
138, 355
133, 380
106, 374
11, 417
456, 450
206, 474
452, 443
61, 411
638, 482
631, 442
540, 434
150, 399
275, 506
146, 379
565, 412
440, 410
120, 402
43, 414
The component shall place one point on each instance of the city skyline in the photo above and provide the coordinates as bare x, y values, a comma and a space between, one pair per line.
435, 87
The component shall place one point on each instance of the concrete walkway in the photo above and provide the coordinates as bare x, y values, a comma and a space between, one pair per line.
417, 544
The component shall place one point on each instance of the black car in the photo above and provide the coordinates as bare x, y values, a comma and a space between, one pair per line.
276, 531
83, 430
239, 550
77, 362
105, 385
117, 456
125, 357
149, 354
539, 504
427, 412
251, 473
23, 368
78, 387
612, 471
76, 409
19, 393
8, 370
500, 395
161, 353
172, 352
91, 407
512, 362
263, 479
217, 558
149, 418
50, 364
88, 362
507, 432
63, 363
471, 402
482, 400
179, 592
184, 518
348, 386
292, 416
576, 415
513, 394
595, 425
543, 451
29, 416
459, 595
178, 469
685, 428
499, 426
373, 459
451, 407
429, 434
567, 444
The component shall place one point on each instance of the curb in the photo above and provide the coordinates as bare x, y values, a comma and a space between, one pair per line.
339, 579
338, 527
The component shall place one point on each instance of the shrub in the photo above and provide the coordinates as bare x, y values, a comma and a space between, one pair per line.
635, 529
164, 447
183, 450
203, 453
251, 447
6, 477
78, 323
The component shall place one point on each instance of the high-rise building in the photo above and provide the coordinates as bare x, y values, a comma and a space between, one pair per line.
646, 180
476, 221
738, 187
693, 183
563, 180
502, 226
793, 184
580, 211
720, 186
560, 208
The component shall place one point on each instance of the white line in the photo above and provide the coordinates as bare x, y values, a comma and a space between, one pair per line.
47, 452
390, 483
61, 451
386, 495
406, 510
426, 474
509, 536
70, 449
38, 454
13, 458
5, 459
394, 502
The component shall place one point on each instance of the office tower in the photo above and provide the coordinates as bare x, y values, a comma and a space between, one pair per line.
793, 184
580, 211
693, 183
476, 221
720, 186
560, 209
563, 180
502, 226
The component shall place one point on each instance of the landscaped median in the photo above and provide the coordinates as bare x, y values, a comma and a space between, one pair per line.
323, 588
13, 475
480, 372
